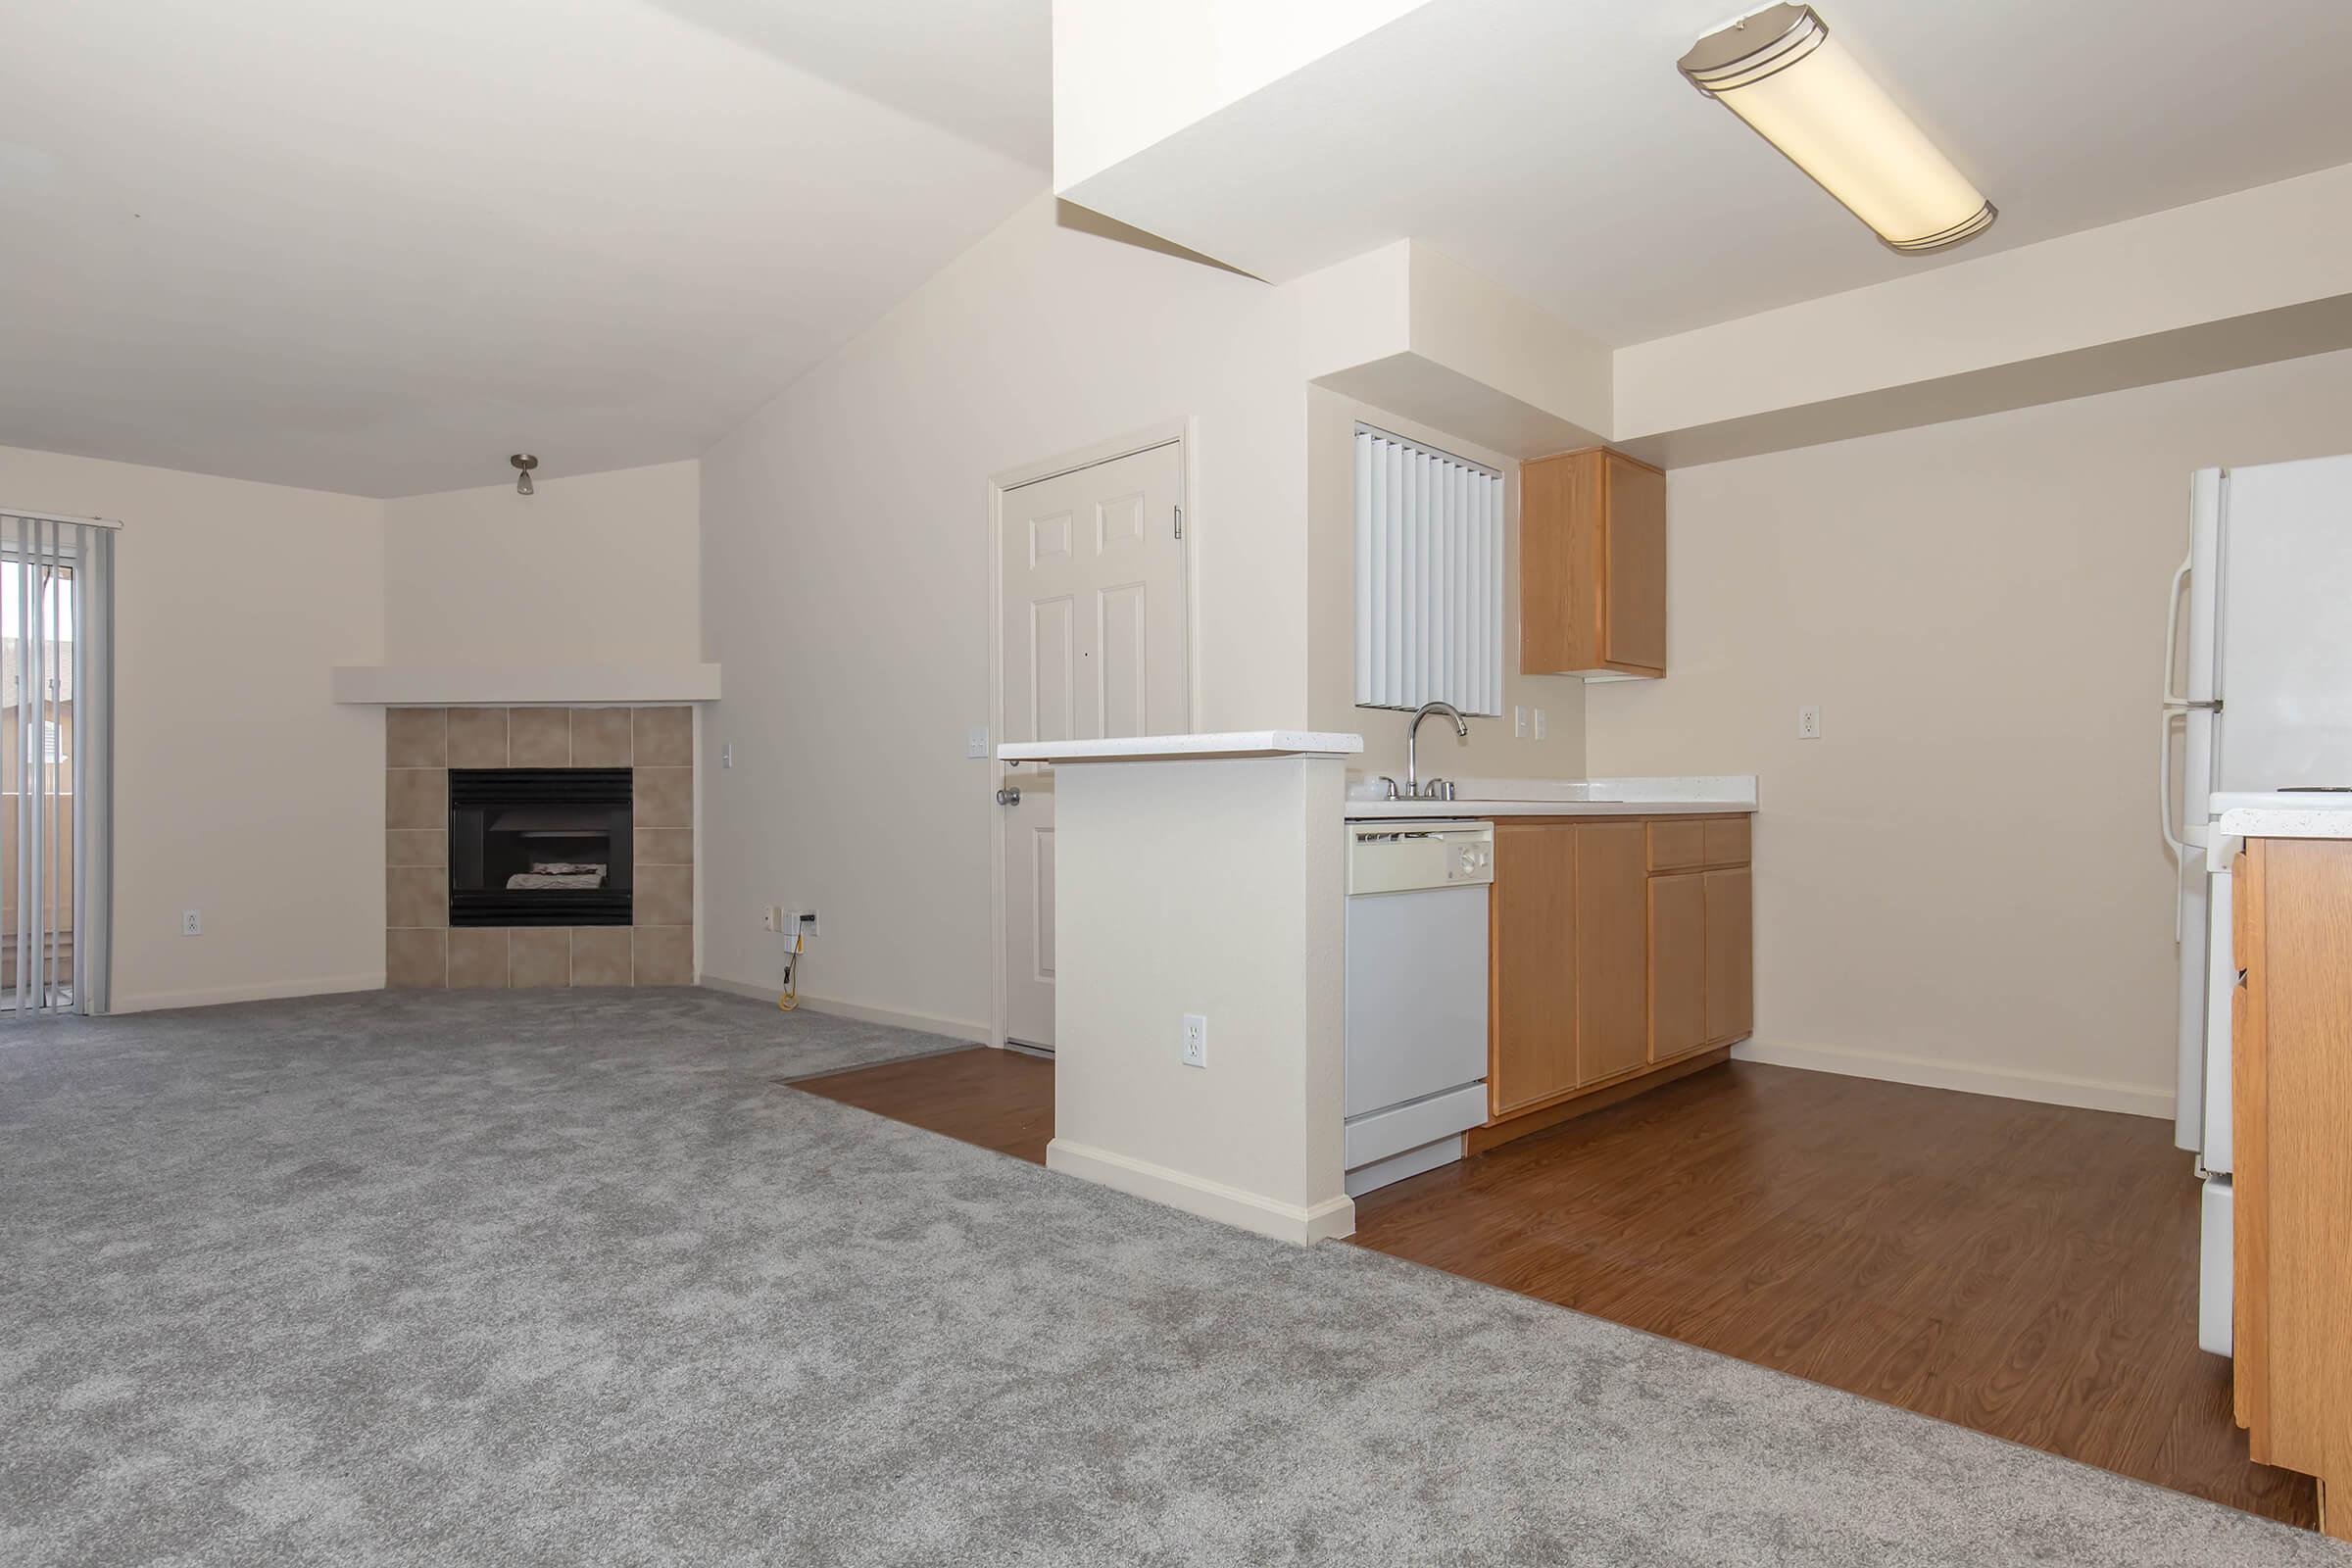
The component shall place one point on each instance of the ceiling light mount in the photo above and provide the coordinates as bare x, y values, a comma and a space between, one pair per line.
523, 462
1779, 69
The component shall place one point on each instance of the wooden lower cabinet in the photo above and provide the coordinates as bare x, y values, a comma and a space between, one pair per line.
2292, 1119
1731, 960
1612, 952
1678, 964
1532, 999
1621, 950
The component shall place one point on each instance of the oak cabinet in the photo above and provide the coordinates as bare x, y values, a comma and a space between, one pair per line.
1531, 1001
1730, 995
1622, 947
1612, 950
1678, 964
1591, 566
2291, 1123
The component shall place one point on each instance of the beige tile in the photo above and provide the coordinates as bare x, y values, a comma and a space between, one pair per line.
417, 797
538, 737
415, 737
600, 737
663, 845
478, 956
415, 959
416, 897
416, 846
601, 955
663, 896
664, 797
664, 737
477, 737
666, 956
539, 955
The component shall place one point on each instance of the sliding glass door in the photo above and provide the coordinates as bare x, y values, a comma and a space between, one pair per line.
55, 723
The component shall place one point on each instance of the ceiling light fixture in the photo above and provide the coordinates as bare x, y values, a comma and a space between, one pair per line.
1779, 69
524, 463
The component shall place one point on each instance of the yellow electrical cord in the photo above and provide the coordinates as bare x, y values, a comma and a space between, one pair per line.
790, 997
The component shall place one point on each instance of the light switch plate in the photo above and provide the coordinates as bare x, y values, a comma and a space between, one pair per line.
975, 742
1518, 721
1539, 723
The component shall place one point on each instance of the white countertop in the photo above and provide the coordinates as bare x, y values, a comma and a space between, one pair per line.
1399, 811
1186, 747
1697, 796
2283, 815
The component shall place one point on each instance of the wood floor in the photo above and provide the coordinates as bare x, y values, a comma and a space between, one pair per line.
999, 1100
2026, 1270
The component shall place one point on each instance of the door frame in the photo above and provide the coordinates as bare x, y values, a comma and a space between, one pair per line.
1184, 434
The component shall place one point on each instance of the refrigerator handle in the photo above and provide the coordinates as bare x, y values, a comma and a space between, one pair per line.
2164, 810
2171, 637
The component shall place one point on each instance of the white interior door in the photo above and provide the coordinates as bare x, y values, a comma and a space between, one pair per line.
1093, 618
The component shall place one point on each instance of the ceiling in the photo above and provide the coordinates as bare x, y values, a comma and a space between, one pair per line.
375, 249
1552, 144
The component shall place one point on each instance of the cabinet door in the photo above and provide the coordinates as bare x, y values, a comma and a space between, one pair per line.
1633, 631
1730, 1005
1533, 1028
1678, 965
1612, 947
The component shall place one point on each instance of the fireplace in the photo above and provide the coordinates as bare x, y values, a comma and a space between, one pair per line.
539, 845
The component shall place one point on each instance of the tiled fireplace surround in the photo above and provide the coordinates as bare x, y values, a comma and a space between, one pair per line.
422, 744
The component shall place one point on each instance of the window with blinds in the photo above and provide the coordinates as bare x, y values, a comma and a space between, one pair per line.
1428, 576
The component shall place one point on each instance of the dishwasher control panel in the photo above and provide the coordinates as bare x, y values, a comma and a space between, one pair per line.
1400, 857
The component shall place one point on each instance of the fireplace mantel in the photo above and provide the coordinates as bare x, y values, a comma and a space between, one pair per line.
522, 686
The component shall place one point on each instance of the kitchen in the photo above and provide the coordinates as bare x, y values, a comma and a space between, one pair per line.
1583, 964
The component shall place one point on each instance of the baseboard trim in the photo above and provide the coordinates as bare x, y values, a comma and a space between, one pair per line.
2044, 1088
1197, 1194
219, 996
832, 1006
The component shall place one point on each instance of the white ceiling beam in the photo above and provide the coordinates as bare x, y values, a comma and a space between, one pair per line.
2148, 299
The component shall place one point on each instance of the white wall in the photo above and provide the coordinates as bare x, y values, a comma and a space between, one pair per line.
845, 571
1962, 880
240, 790
1491, 751
1149, 855
597, 569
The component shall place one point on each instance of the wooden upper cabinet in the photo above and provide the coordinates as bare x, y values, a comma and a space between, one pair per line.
1591, 566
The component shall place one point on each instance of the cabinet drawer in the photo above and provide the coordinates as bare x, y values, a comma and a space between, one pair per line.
1677, 846
1727, 841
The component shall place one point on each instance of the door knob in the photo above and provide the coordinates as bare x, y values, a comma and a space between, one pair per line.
1010, 795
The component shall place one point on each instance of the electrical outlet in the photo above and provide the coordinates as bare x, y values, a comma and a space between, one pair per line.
975, 742
1195, 1040
191, 923
1539, 723
1808, 723
802, 920
1518, 721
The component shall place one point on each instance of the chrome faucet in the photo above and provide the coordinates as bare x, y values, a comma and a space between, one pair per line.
1413, 749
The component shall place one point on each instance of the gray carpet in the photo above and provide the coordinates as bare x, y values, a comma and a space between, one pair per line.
572, 1279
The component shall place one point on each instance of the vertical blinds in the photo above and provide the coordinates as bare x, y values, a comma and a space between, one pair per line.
56, 762
1428, 577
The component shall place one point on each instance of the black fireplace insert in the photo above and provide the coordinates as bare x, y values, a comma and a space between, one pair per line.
539, 845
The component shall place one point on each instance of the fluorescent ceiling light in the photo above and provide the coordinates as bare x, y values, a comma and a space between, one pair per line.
1800, 91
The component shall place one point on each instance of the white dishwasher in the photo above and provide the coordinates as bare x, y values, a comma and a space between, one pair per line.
1416, 993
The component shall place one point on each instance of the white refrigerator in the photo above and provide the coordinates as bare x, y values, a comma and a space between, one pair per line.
2257, 697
